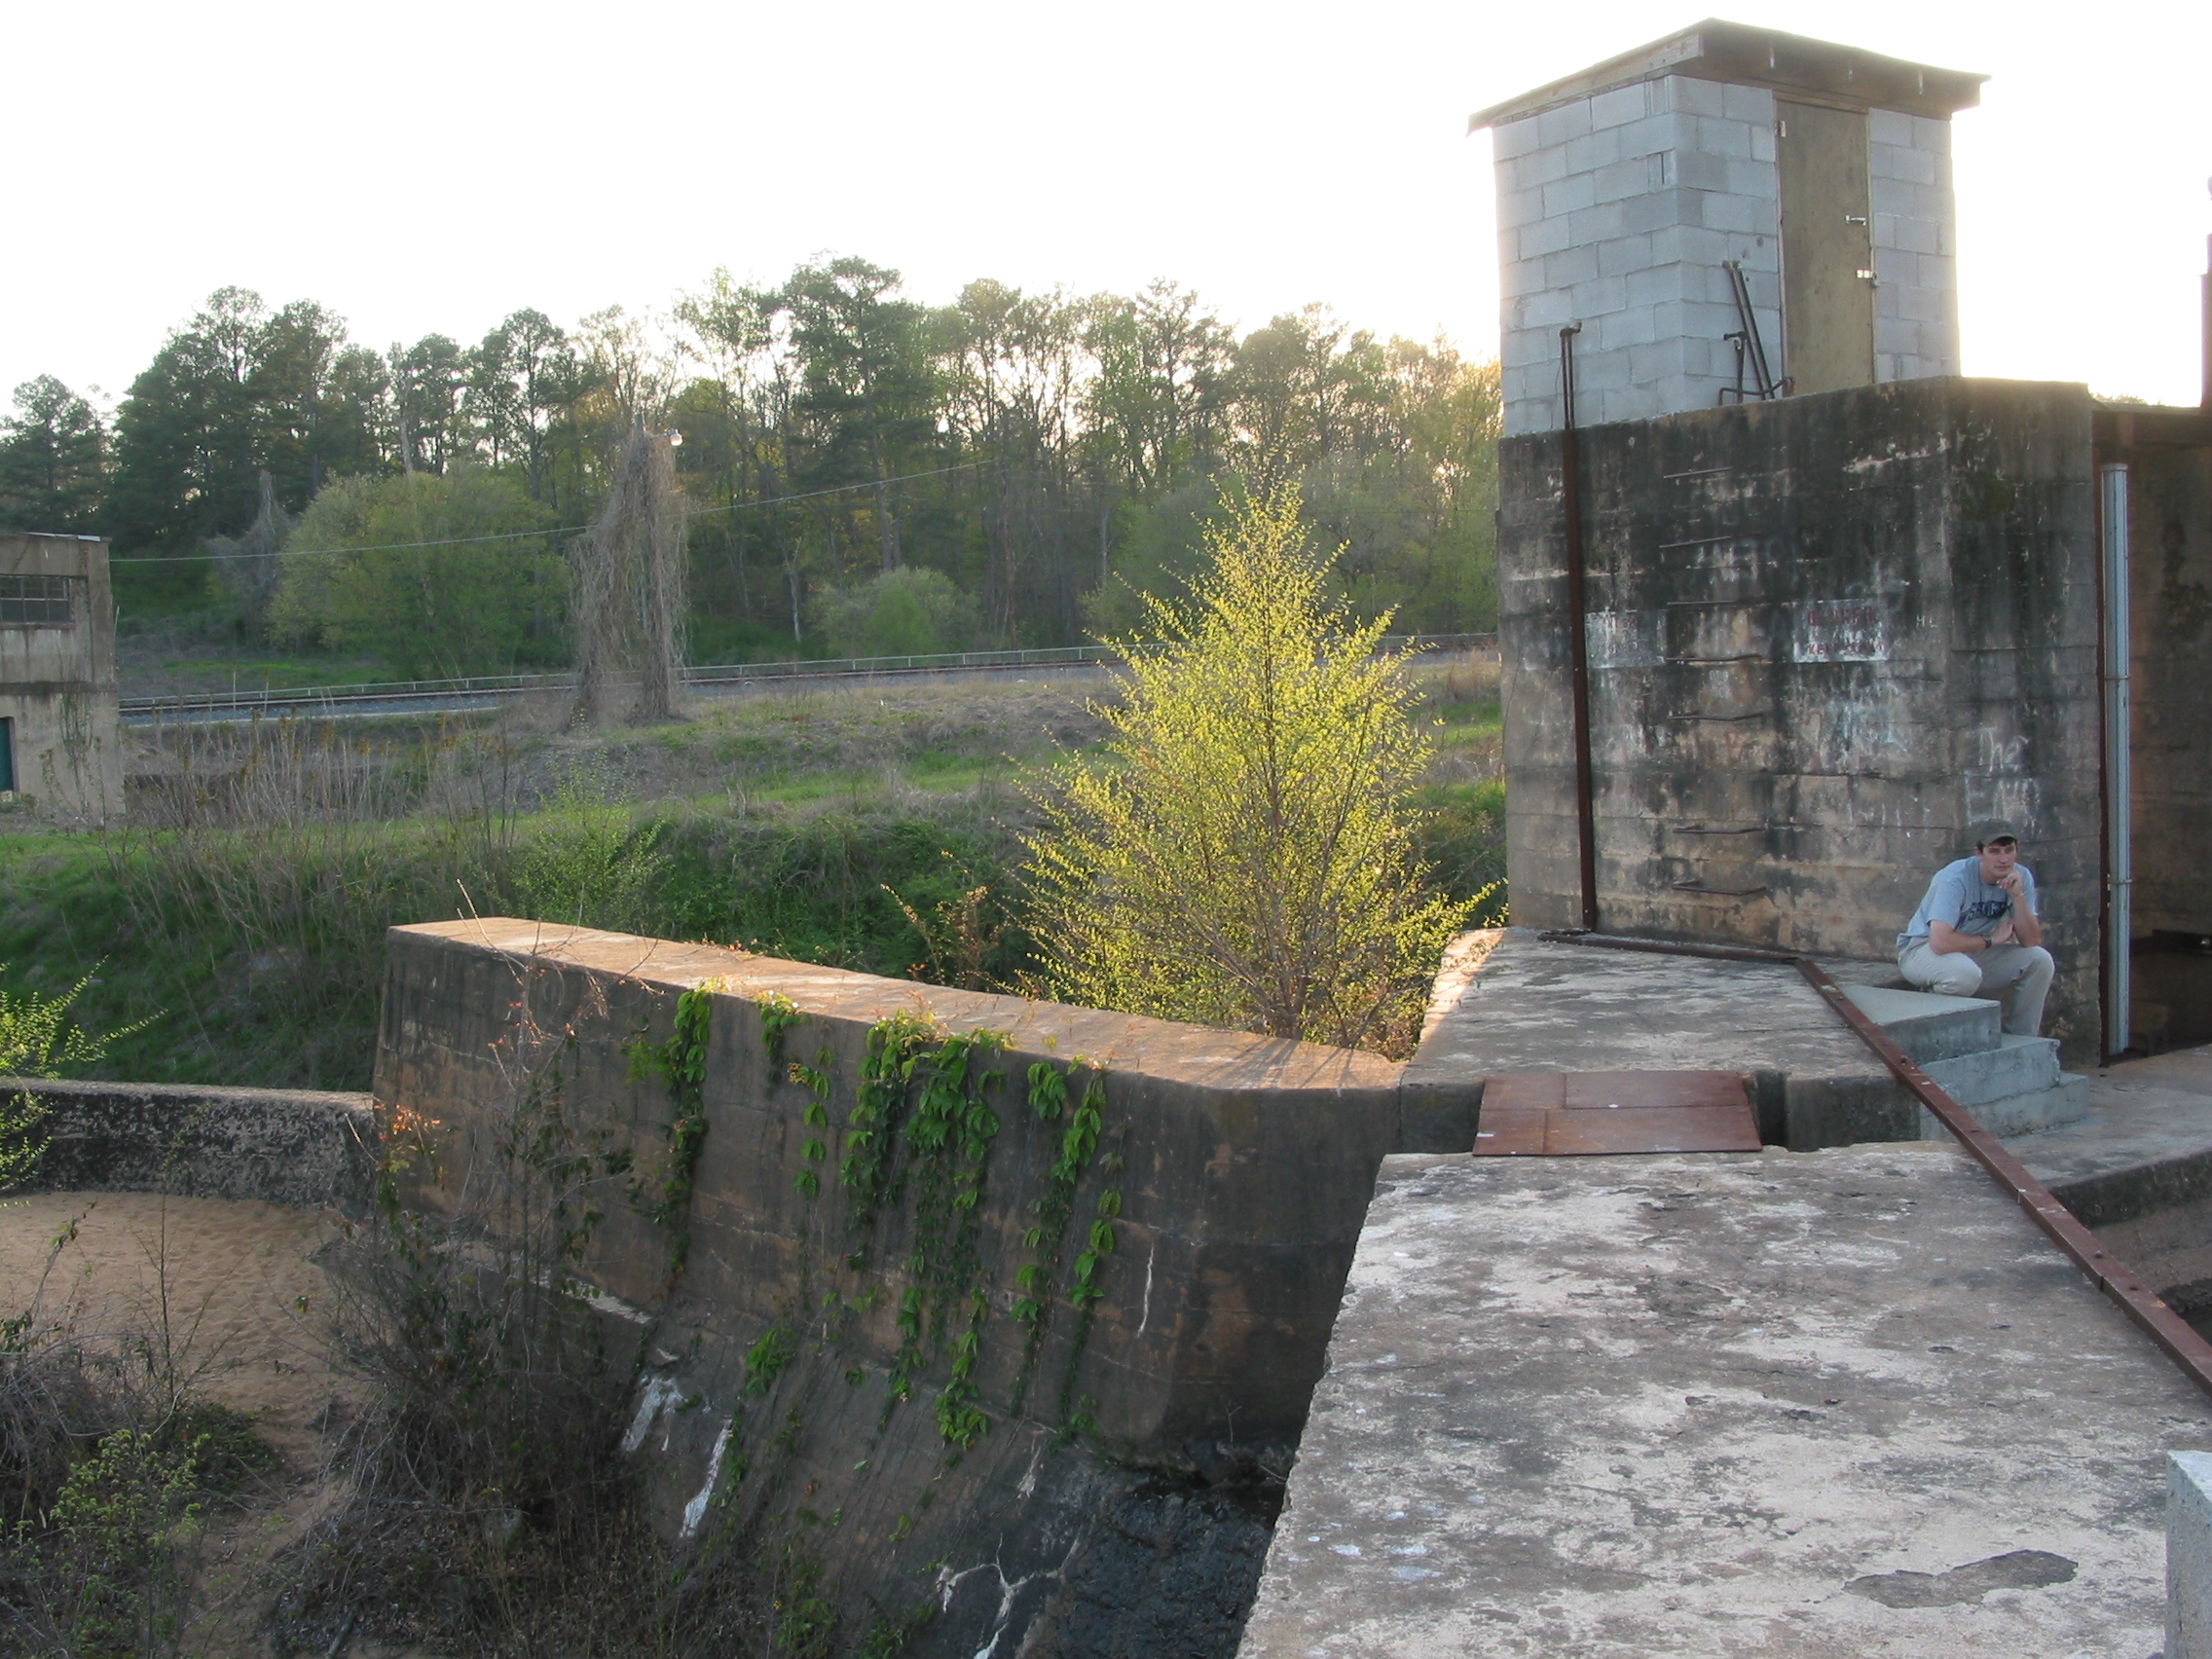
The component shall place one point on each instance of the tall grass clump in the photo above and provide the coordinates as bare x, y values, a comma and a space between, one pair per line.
1245, 851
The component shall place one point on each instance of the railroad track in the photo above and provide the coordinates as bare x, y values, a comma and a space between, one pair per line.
494, 692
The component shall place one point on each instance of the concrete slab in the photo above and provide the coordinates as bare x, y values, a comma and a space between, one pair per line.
1537, 1005
1824, 1406
2188, 1556
2035, 1111
2138, 1168
1930, 1027
2148, 1125
2018, 1065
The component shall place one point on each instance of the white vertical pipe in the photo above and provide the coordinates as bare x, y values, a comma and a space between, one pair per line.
2120, 814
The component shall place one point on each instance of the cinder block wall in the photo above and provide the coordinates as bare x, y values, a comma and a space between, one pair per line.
1916, 284
1617, 211
1827, 635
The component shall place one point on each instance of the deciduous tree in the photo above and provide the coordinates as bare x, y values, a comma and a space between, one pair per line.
1245, 851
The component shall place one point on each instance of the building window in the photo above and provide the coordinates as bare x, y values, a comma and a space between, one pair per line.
37, 602
7, 756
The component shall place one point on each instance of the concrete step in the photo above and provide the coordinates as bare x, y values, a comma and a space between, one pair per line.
1930, 1027
2065, 1102
2018, 1065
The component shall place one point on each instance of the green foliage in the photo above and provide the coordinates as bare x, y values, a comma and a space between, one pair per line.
40, 1039
1035, 1278
356, 580
118, 1536
51, 457
902, 612
680, 1062
1246, 852
587, 860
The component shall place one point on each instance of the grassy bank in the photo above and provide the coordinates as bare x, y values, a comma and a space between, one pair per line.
242, 911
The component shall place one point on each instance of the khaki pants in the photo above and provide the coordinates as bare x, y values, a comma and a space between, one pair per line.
2023, 969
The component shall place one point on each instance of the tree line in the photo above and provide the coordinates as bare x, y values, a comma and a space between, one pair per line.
864, 472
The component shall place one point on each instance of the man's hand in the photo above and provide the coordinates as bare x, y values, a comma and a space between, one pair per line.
2013, 883
2004, 932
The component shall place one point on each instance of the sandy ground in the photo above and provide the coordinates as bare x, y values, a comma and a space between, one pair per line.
234, 1288
232, 1285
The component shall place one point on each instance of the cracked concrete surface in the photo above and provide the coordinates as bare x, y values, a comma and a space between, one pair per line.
1724, 1405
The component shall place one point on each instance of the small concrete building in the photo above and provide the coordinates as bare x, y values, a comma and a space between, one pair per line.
1722, 211
60, 738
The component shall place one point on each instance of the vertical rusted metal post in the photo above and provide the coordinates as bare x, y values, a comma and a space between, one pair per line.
2114, 586
1577, 629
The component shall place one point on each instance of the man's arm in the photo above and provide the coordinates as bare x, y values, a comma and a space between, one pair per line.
1945, 939
2026, 929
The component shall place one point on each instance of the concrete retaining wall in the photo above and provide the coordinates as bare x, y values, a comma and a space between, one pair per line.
1827, 635
295, 1147
1240, 1167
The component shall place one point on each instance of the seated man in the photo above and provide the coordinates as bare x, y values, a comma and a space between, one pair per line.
1975, 934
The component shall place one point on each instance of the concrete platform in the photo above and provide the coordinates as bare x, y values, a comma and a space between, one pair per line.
1820, 1404
2138, 1169
1533, 1006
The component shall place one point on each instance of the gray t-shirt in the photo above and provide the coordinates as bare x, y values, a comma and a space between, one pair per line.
1959, 896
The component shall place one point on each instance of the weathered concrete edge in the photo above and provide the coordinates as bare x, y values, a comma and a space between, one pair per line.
2188, 1554
2115, 1195
1434, 1115
302, 1148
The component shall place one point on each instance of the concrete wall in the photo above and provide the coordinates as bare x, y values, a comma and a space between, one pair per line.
1617, 211
2170, 548
300, 1147
1242, 1167
57, 684
1828, 634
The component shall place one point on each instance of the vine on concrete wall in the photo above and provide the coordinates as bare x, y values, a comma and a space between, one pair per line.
1034, 1280
681, 1064
916, 1150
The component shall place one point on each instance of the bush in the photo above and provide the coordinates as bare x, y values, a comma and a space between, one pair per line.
904, 612
489, 596
1247, 852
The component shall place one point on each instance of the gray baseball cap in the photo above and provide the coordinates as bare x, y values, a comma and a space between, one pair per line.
1993, 830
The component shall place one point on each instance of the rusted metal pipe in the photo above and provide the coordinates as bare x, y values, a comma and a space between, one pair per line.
1577, 628
2115, 650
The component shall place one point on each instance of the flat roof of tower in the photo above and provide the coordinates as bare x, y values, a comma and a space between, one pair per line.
1817, 70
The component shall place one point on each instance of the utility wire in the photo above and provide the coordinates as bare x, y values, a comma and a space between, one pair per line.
554, 530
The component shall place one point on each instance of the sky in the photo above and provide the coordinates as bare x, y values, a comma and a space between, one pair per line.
430, 167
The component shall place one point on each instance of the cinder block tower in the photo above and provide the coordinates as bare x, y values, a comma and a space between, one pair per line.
1728, 212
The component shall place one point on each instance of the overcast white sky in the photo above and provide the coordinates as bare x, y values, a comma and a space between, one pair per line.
431, 164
